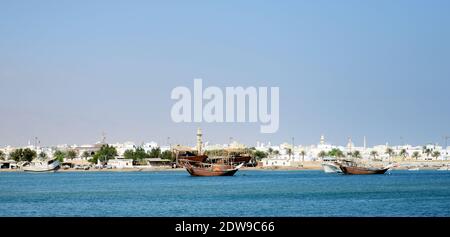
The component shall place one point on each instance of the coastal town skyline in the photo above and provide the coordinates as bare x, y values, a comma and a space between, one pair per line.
70, 71
168, 141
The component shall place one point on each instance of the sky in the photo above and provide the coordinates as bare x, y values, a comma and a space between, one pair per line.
70, 70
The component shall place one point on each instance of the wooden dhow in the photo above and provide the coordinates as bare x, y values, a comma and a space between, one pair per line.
352, 168
208, 169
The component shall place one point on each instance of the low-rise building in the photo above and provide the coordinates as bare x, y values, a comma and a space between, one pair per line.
158, 162
120, 163
275, 162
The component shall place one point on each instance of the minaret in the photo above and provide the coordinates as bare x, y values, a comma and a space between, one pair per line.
103, 138
349, 144
199, 141
365, 143
322, 139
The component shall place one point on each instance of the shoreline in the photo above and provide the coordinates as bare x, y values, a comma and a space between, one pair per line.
169, 169
307, 166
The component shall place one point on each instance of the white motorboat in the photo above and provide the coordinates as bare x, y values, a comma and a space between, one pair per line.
331, 167
414, 169
42, 165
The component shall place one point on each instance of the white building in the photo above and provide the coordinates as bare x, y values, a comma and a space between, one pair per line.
149, 146
120, 163
276, 162
122, 147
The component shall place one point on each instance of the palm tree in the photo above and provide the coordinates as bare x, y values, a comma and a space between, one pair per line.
303, 153
322, 154
85, 154
404, 153
276, 152
416, 155
356, 154
59, 155
436, 154
42, 155
2, 155
270, 151
71, 154
374, 154
390, 152
289, 151
428, 151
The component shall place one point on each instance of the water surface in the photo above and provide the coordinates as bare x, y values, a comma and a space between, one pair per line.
248, 193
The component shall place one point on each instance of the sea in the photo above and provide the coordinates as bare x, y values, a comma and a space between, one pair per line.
248, 193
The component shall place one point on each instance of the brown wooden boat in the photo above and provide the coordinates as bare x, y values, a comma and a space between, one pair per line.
352, 167
240, 159
207, 169
192, 157
362, 170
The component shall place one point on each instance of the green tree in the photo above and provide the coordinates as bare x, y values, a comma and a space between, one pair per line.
356, 154
303, 154
155, 152
403, 153
416, 155
136, 155
85, 154
129, 154
2, 155
259, 155
29, 154
322, 154
23, 154
374, 154
276, 152
428, 151
289, 151
167, 155
59, 155
140, 154
16, 155
270, 151
390, 152
43, 155
436, 154
335, 152
71, 154
105, 153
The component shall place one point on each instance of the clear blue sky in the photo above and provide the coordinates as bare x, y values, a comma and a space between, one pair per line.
72, 69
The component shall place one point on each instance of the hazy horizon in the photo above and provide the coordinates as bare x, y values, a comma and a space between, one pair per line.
72, 70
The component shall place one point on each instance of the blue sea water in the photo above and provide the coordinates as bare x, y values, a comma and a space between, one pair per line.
248, 193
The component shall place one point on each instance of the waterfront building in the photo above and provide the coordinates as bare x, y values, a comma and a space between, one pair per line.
8, 164
157, 162
120, 163
276, 161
